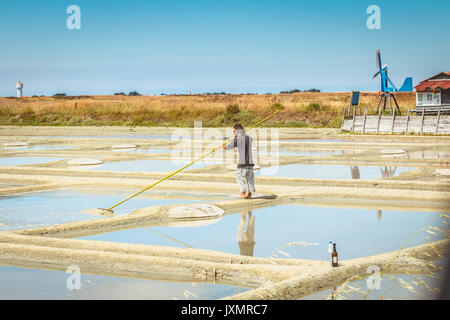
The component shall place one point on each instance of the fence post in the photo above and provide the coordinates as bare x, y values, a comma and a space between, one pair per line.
343, 119
437, 121
354, 118
379, 118
364, 122
422, 121
393, 122
407, 120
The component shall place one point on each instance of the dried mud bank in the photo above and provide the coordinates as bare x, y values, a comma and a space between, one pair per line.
149, 262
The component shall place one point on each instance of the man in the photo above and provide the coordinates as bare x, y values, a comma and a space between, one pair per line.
244, 171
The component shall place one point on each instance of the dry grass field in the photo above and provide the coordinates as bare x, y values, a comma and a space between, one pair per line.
305, 109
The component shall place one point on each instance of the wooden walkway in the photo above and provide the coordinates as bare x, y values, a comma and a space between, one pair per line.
388, 124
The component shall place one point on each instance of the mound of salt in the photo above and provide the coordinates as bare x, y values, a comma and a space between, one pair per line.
390, 156
15, 144
181, 223
392, 151
443, 172
124, 146
99, 211
195, 211
84, 162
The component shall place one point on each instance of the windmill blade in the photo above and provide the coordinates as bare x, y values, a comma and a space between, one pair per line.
378, 56
373, 77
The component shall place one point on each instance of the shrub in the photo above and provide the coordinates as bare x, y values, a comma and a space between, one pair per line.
276, 107
28, 116
232, 109
314, 106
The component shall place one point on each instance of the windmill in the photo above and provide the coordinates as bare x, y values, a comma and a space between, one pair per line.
388, 87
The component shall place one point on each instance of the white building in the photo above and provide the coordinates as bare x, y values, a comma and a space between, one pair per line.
19, 87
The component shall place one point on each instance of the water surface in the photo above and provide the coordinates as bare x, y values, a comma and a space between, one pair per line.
333, 172
37, 209
32, 284
16, 161
357, 232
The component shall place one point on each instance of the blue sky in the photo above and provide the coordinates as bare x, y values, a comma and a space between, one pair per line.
177, 46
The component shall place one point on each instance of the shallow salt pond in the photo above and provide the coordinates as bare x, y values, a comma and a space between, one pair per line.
389, 287
333, 172
392, 287
300, 153
16, 161
357, 232
30, 284
144, 150
151, 165
37, 209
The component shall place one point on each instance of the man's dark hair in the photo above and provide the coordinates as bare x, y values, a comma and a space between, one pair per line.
238, 126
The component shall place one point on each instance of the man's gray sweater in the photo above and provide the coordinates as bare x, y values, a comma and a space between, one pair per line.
243, 143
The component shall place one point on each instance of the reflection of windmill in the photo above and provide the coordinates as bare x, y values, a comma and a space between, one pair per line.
387, 172
387, 86
354, 170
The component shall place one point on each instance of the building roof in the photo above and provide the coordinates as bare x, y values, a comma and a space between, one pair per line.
440, 80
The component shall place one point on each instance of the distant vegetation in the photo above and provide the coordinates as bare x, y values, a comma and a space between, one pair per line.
134, 93
309, 109
297, 90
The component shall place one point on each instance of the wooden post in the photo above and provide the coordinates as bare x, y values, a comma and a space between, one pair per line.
390, 104
422, 121
379, 102
379, 118
407, 120
364, 122
343, 119
437, 121
393, 122
354, 119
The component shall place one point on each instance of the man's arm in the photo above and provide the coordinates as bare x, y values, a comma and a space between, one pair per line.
230, 145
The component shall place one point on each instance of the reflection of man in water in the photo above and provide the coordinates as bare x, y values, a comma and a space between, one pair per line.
246, 234
354, 170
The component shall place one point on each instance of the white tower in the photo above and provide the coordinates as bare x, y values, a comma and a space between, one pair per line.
19, 87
